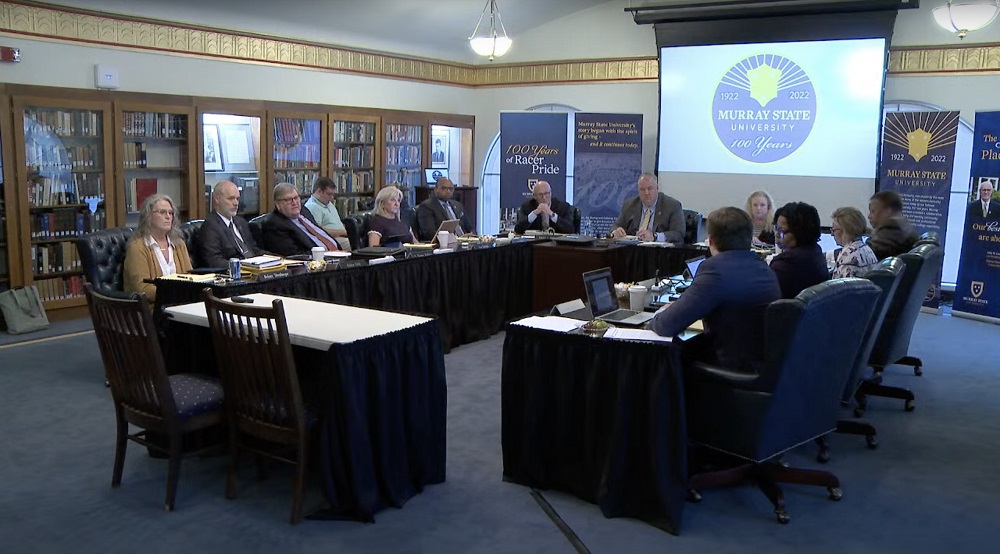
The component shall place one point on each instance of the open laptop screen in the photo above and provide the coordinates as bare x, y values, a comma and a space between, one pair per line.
432, 174
600, 291
692, 265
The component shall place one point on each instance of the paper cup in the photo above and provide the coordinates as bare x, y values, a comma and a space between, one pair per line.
637, 297
318, 252
443, 239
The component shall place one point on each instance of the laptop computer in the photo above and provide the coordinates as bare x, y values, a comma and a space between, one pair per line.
600, 289
690, 270
450, 226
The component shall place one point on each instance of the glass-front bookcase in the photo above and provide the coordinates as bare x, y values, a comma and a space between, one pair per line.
65, 161
154, 158
354, 159
231, 149
297, 151
4, 248
403, 165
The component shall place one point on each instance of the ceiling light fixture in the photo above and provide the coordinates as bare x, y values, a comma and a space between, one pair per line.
490, 44
963, 17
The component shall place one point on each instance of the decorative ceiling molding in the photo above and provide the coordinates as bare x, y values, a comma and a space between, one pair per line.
49, 23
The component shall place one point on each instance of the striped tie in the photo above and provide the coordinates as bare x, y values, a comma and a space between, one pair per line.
644, 224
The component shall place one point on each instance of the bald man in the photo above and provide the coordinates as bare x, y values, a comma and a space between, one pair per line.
544, 212
225, 234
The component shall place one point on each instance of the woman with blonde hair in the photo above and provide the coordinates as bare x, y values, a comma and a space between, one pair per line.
855, 257
156, 248
385, 228
760, 206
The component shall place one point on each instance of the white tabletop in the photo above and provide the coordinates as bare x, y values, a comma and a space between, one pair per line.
314, 324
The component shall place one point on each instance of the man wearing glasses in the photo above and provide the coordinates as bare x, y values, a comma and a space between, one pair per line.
544, 212
224, 234
291, 229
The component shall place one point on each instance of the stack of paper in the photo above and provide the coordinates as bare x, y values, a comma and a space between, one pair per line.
261, 262
551, 323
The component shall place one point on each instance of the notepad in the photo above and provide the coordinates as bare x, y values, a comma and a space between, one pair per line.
203, 278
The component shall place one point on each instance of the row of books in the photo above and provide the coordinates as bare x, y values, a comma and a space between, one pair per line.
154, 125
296, 130
300, 155
403, 133
137, 191
56, 289
402, 155
303, 180
354, 181
75, 123
354, 156
45, 191
63, 223
55, 155
404, 177
55, 257
347, 131
350, 204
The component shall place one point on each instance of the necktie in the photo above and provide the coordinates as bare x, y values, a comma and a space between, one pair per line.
451, 212
239, 242
317, 235
644, 224
985, 211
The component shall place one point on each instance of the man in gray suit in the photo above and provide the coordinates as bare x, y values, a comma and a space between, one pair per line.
651, 216
438, 208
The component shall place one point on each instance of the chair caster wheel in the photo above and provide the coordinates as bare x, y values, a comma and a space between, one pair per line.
872, 441
918, 371
783, 516
859, 412
823, 456
107, 383
835, 494
909, 406
693, 496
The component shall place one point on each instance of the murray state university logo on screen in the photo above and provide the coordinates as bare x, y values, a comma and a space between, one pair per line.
764, 108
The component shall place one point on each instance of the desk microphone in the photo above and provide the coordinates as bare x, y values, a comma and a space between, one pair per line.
657, 288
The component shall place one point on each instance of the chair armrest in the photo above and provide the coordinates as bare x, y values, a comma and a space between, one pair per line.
704, 372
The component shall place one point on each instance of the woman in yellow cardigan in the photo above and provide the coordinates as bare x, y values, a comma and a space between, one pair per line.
156, 248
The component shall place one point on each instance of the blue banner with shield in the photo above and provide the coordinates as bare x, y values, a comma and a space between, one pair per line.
918, 156
533, 148
977, 292
607, 164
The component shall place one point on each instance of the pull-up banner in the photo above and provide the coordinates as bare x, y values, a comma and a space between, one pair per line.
977, 292
533, 148
607, 160
918, 156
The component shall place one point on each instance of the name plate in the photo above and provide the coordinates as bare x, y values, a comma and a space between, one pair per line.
271, 275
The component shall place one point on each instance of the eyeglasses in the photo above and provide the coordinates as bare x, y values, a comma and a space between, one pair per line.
164, 212
778, 231
288, 200
549, 193
836, 229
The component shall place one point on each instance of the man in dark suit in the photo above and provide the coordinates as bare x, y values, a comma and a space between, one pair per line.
224, 234
729, 294
440, 207
544, 212
291, 228
651, 216
894, 234
985, 207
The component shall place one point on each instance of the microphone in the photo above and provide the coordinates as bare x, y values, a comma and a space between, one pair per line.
657, 288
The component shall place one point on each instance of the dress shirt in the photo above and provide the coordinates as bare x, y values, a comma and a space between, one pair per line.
229, 224
447, 209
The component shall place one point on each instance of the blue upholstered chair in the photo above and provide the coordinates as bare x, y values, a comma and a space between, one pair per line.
811, 342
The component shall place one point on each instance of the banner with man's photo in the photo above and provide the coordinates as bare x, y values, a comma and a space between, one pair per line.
918, 155
607, 160
532, 149
977, 290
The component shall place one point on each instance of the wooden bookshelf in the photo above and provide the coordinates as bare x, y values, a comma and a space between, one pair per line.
298, 156
355, 158
235, 135
404, 161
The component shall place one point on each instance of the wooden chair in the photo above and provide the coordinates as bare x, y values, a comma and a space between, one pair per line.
263, 400
144, 396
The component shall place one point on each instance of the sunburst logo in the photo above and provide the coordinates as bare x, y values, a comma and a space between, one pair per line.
920, 133
764, 108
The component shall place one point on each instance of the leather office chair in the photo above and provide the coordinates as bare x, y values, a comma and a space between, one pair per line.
189, 234
408, 216
257, 228
143, 394
356, 226
923, 263
576, 219
102, 255
886, 275
692, 226
930, 237
264, 404
810, 344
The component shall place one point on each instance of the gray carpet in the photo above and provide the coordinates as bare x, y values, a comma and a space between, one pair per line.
56, 328
927, 488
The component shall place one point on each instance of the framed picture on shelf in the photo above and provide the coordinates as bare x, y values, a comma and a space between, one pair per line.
213, 154
237, 147
439, 148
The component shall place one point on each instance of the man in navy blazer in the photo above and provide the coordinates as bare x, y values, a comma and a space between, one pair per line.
729, 294
224, 234
665, 222
434, 210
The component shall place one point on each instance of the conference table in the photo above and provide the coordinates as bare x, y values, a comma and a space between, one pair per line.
599, 418
375, 382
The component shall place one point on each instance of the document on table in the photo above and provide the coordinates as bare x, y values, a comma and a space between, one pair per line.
621, 333
550, 323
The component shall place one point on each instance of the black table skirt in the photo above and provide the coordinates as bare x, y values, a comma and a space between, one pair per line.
381, 405
601, 419
473, 293
636, 263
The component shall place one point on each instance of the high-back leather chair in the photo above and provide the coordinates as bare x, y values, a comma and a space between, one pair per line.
576, 219
257, 228
189, 234
102, 255
930, 237
144, 395
692, 226
810, 344
356, 226
923, 263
